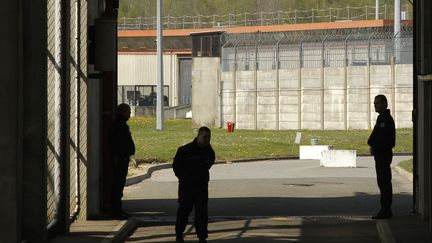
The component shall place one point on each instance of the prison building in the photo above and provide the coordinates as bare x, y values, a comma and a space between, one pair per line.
298, 76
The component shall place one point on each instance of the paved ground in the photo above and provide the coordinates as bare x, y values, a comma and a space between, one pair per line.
268, 201
259, 230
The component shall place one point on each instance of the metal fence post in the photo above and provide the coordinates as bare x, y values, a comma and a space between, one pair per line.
279, 20
183, 25
323, 80
366, 12
348, 13
346, 83
369, 81
385, 11
300, 93
313, 17
235, 83
330, 14
278, 82
168, 22
393, 87
199, 21
262, 18
256, 86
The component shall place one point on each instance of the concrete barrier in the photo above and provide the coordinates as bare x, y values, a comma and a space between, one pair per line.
313, 151
338, 158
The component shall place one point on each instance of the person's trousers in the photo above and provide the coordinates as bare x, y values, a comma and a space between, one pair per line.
190, 196
120, 173
384, 177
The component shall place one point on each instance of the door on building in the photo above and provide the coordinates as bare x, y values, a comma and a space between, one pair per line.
185, 81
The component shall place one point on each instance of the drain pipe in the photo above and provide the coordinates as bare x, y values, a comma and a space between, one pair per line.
77, 209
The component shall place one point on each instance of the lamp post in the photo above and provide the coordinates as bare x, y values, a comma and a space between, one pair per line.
159, 88
397, 29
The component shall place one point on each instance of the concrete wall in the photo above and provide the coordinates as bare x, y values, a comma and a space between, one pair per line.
227, 101
205, 87
266, 100
311, 98
289, 99
357, 97
315, 98
403, 95
334, 98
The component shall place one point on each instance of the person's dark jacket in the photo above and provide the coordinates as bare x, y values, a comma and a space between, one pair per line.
122, 144
192, 163
383, 137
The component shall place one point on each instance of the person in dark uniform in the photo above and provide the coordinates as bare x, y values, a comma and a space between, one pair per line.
191, 165
122, 147
381, 142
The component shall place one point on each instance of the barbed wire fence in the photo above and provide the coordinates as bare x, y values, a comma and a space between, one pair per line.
265, 18
285, 75
335, 48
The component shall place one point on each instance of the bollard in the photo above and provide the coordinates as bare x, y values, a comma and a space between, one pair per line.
230, 127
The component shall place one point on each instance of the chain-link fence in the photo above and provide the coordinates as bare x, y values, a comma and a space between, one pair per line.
315, 79
67, 108
54, 152
266, 18
329, 48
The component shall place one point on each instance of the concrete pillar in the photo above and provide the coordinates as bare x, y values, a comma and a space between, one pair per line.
322, 93
255, 87
300, 93
23, 129
235, 85
369, 83
277, 87
393, 90
345, 85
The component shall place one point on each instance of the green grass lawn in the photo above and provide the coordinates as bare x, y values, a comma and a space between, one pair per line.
160, 146
407, 165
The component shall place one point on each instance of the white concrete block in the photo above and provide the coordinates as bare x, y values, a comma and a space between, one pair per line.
313, 151
338, 158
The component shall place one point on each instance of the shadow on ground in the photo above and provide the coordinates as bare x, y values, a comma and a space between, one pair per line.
359, 205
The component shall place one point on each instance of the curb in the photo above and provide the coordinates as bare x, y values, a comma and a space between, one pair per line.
146, 175
136, 179
403, 173
122, 231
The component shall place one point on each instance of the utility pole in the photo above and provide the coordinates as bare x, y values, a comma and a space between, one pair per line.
397, 28
159, 88
397, 17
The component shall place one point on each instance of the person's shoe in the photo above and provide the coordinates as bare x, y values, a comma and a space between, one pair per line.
121, 216
383, 215
179, 239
